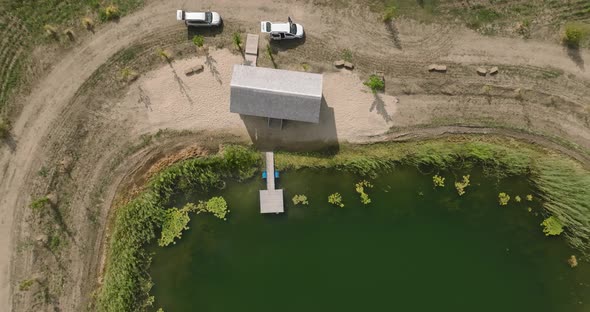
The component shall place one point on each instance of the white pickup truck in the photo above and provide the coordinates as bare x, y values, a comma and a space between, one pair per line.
199, 19
281, 31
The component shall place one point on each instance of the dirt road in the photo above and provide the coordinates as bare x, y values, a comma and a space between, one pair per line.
540, 88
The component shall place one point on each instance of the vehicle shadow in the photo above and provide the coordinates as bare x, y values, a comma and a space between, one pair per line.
192, 31
284, 45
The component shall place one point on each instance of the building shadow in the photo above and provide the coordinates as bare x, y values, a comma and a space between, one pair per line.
575, 55
295, 136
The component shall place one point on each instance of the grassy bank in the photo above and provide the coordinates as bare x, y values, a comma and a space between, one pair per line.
563, 185
126, 282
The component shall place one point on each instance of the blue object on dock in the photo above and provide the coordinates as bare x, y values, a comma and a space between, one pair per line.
276, 174
264, 174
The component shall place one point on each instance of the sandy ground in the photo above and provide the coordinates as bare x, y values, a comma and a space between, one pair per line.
165, 98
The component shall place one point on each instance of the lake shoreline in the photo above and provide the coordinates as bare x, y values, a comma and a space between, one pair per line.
502, 155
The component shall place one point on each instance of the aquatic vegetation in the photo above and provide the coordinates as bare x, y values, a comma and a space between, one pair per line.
572, 261
216, 206
563, 183
300, 199
517, 199
360, 188
438, 181
336, 199
529, 197
175, 221
461, 185
552, 226
503, 199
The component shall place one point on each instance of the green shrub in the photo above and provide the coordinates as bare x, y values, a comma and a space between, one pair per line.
552, 226
175, 221
109, 13
54, 242
375, 83
336, 199
4, 128
503, 199
25, 284
389, 13
461, 185
575, 33
39, 203
165, 55
216, 206
237, 40
199, 41
347, 55
438, 181
300, 199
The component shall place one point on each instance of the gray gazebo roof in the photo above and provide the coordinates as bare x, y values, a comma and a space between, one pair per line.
274, 93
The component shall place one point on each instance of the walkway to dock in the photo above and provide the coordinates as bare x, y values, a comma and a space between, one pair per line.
271, 200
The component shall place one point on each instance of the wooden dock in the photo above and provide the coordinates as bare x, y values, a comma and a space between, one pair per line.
271, 200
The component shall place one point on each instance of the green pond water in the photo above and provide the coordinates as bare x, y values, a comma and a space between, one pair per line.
414, 248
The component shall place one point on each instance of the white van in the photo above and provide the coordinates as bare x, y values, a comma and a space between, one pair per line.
199, 19
280, 31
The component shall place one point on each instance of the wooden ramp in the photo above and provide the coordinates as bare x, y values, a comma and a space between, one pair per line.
271, 200
251, 51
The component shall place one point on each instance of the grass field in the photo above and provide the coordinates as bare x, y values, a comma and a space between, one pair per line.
23, 27
493, 16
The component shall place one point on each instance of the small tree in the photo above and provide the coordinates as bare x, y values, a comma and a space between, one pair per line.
237, 39
574, 34
375, 83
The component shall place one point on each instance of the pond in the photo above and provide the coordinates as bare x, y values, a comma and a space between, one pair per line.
414, 248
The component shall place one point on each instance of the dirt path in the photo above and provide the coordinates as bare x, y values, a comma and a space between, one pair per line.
50, 103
